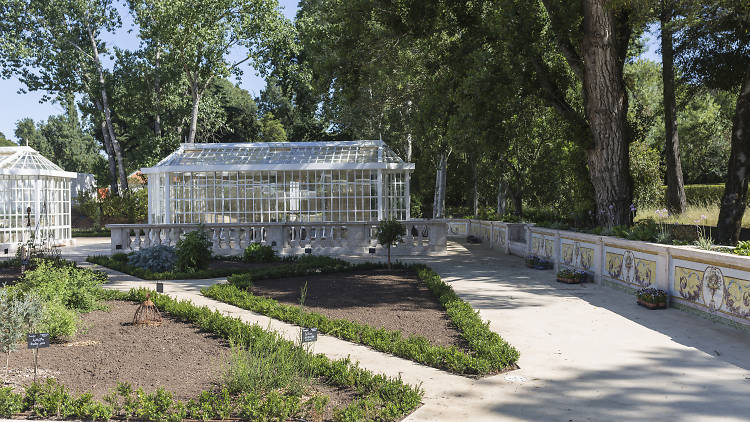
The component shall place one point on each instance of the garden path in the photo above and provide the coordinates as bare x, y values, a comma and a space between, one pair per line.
588, 353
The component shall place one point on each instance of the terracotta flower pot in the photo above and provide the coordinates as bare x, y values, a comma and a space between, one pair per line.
649, 305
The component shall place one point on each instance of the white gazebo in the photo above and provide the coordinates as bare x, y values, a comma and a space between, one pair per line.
34, 199
251, 183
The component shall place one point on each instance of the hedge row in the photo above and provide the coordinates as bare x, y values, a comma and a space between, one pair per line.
378, 397
489, 352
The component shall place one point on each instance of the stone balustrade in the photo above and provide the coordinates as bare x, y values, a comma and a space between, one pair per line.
422, 237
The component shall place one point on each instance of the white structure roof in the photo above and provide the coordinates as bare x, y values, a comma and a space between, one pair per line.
342, 155
26, 161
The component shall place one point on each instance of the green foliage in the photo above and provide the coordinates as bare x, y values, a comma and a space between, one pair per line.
130, 208
267, 366
62, 140
10, 402
390, 232
193, 251
743, 248
18, 316
74, 288
256, 252
646, 173
156, 259
59, 321
271, 129
5, 142
490, 353
119, 262
93, 232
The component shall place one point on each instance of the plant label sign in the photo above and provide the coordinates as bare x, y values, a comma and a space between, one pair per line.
309, 334
37, 340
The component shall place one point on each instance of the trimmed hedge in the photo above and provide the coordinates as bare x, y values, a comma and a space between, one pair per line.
379, 397
489, 352
116, 263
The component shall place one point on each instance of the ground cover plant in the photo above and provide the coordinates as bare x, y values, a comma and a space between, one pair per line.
488, 352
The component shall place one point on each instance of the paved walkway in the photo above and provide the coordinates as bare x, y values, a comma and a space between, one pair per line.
588, 353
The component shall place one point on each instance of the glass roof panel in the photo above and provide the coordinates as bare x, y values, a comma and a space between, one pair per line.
24, 158
284, 153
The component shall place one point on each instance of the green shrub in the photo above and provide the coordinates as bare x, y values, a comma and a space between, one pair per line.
193, 251
73, 287
743, 248
157, 259
10, 402
119, 265
389, 233
266, 365
58, 321
255, 252
646, 172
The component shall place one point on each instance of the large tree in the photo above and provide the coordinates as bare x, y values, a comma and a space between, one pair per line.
715, 51
55, 46
210, 39
676, 202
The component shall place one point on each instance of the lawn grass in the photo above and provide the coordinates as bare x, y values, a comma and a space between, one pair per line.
488, 354
692, 214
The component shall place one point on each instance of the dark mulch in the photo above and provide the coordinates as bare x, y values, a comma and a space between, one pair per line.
239, 266
9, 275
391, 299
176, 356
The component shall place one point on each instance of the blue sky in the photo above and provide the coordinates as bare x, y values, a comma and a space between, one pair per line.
15, 106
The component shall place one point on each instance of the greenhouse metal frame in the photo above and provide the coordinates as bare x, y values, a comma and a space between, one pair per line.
251, 183
34, 199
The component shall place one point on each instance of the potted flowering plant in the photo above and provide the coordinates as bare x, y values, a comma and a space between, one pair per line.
652, 298
571, 276
534, 261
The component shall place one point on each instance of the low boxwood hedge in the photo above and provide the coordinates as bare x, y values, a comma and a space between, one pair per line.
380, 397
489, 352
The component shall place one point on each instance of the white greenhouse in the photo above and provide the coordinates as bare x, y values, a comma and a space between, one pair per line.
34, 199
250, 183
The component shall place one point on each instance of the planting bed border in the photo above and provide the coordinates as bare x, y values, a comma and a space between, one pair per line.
489, 353
397, 398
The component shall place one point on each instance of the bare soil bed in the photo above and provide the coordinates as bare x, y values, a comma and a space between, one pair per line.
175, 356
108, 349
9, 275
239, 266
391, 299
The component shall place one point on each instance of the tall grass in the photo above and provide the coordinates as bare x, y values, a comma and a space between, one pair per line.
691, 215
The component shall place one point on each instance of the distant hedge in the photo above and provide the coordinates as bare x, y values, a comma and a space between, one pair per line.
700, 194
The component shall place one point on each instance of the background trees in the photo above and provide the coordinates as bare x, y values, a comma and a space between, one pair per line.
546, 109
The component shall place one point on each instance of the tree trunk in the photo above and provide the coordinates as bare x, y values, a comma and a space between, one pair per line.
108, 115
735, 191
389, 256
500, 199
157, 94
111, 159
108, 149
194, 114
676, 202
438, 207
517, 199
606, 106
475, 189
